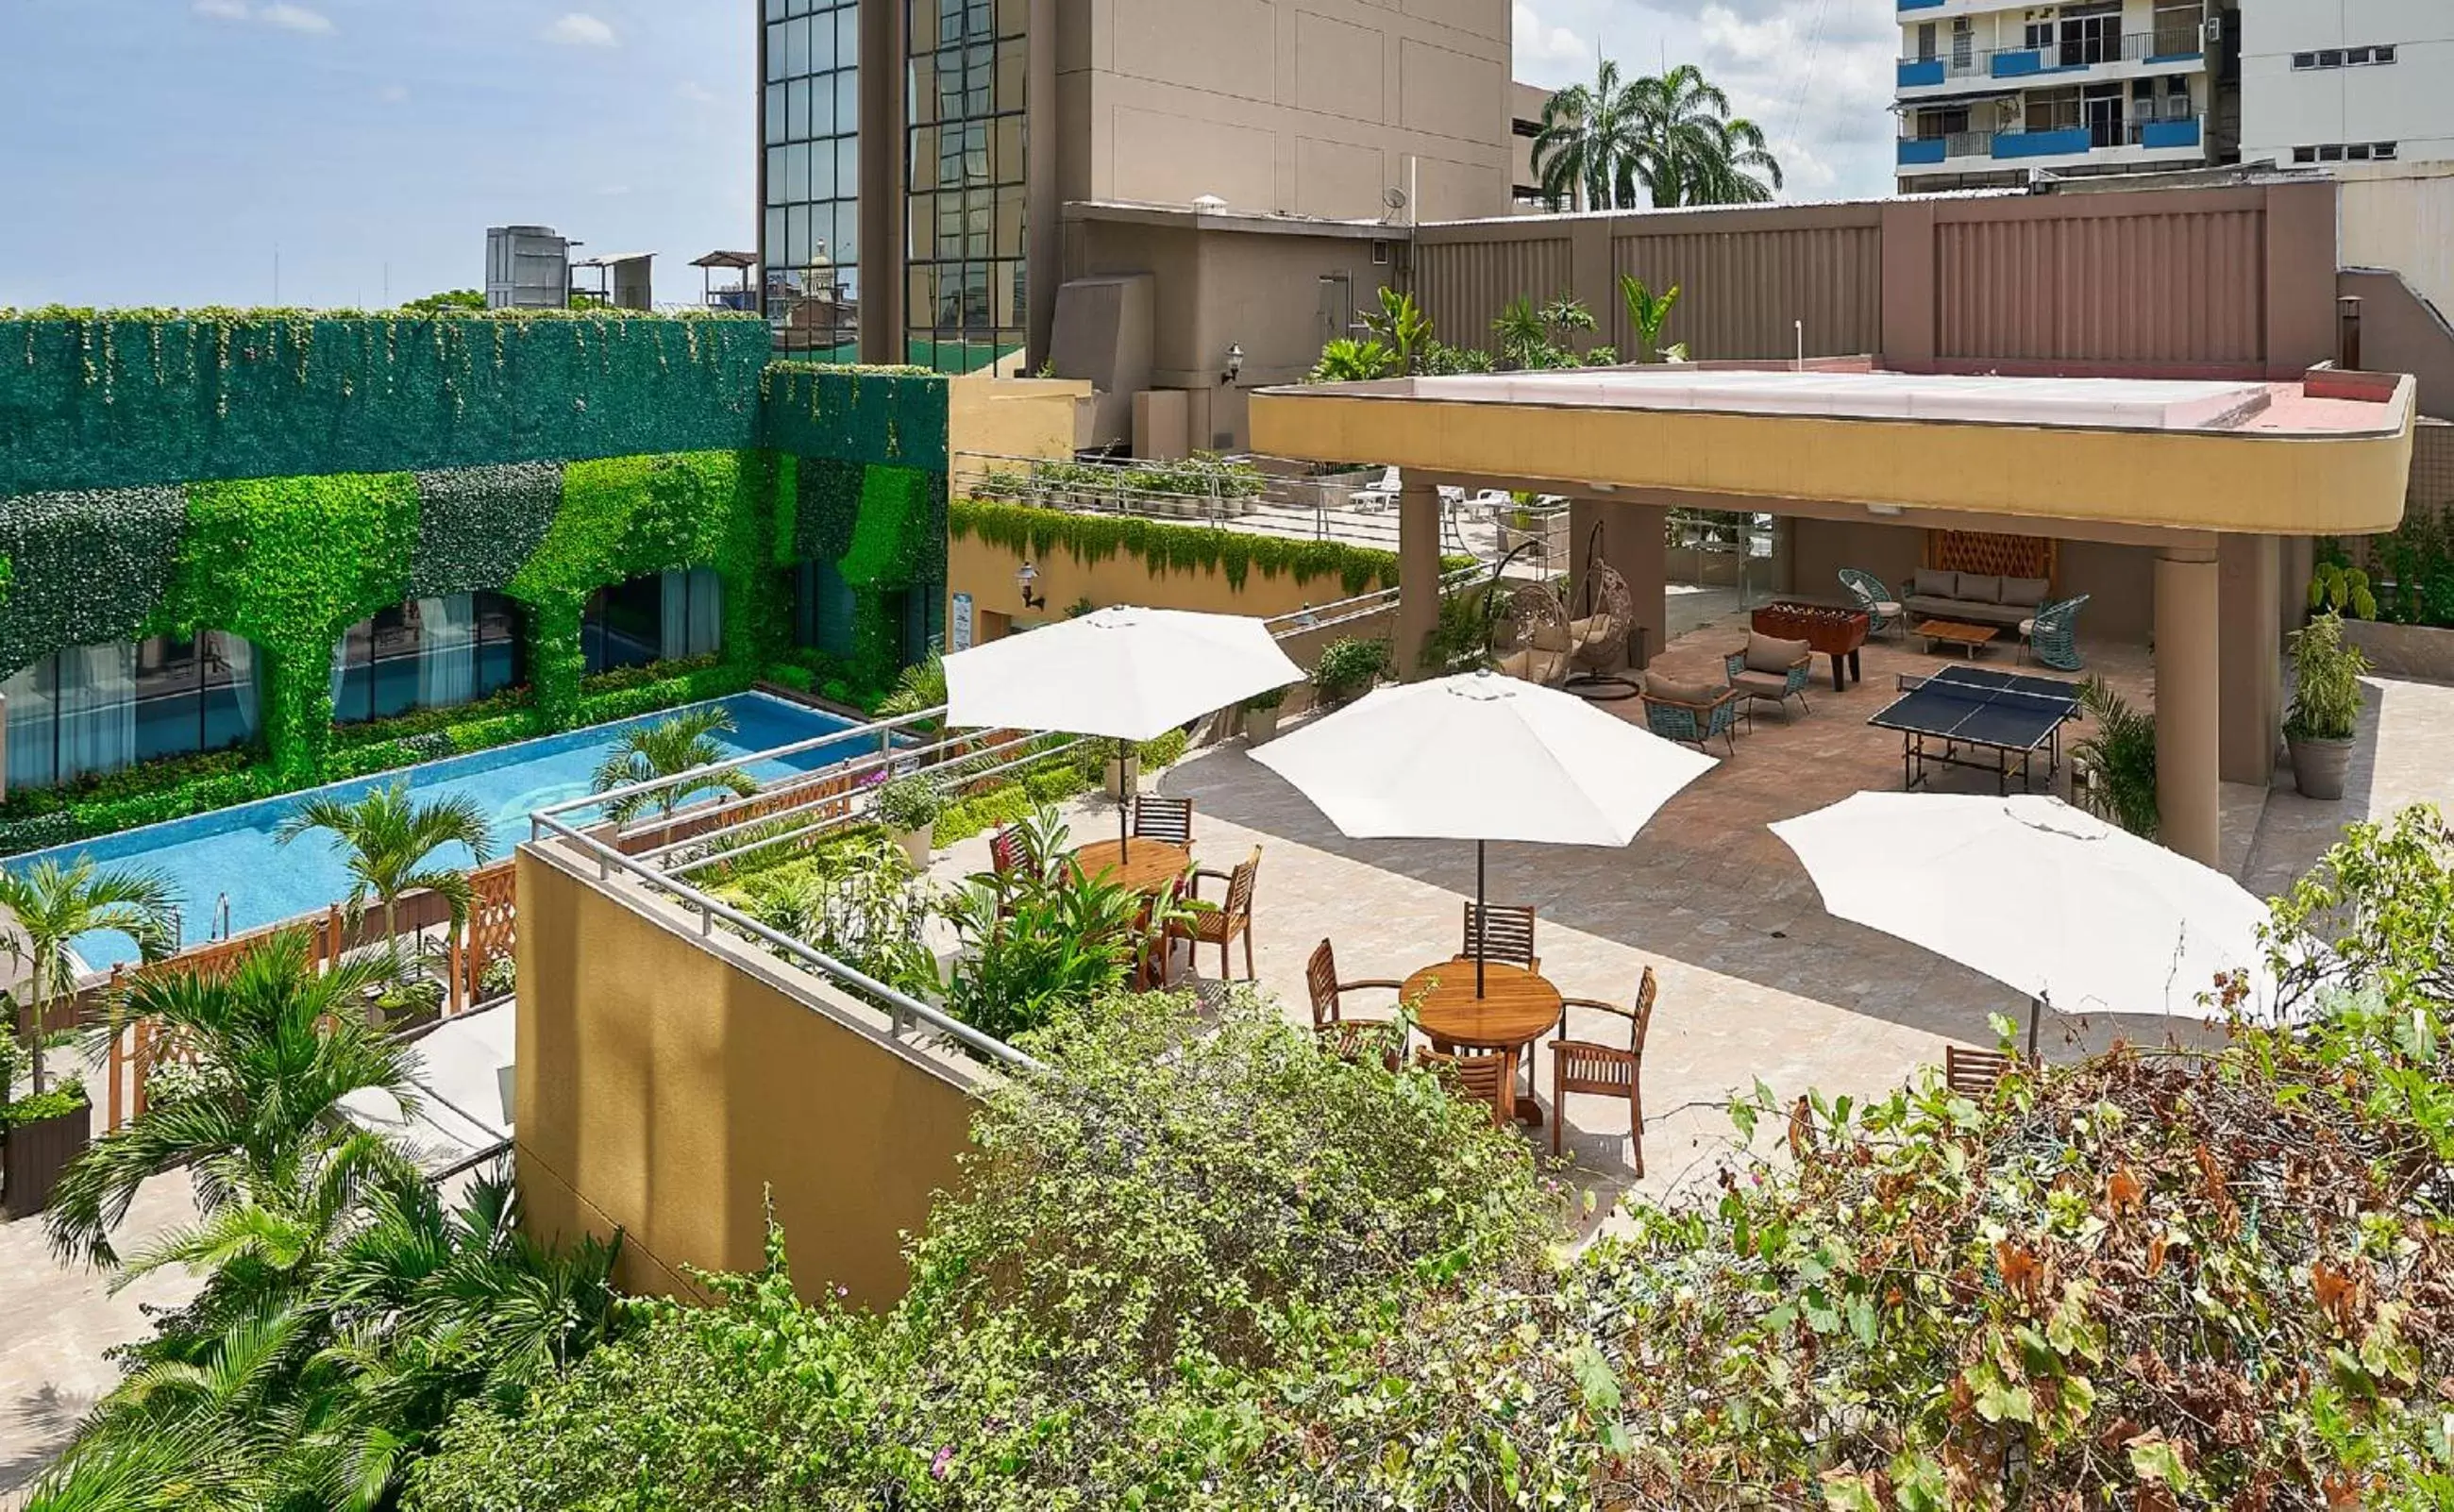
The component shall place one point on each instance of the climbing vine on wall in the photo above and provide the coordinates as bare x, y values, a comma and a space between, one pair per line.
290, 563
85, 567
1164, 547
827, 499
478, 525
893, 416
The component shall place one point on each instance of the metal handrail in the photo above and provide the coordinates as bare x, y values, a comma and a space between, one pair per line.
902, 1009
2132, 47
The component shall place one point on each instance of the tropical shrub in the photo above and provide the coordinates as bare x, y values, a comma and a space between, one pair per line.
2326, 681
910, 803
856, 900
1344, 359
2336, 588
1348, 667
394, 845
665, 752
2120, 756
50, 904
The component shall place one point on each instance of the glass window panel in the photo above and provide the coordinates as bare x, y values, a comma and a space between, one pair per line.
796, 108
1009, 223
778, 51
33, 734
847, 230
797, 49
817, 114
847, 167
822, 171
775, 10
848, 36
777, 193
1010, 56
797, 236
774, 251
777, 122
847, 100
1011, 17
170, 688
230, 699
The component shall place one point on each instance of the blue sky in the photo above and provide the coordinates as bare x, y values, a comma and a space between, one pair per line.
156, 152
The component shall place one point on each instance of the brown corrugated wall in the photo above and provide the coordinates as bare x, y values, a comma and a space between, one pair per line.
1741, 292
1462, 285
2185, 288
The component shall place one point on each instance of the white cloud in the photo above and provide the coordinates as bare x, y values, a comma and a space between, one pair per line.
613, 191
696, 92
1537, 43
578, 28
295, 18
287, 17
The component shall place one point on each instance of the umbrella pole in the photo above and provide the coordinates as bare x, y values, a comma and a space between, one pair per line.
2036, 1012
1480, 943
1125, 801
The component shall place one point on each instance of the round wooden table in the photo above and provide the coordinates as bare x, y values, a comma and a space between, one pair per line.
1517, 1008
1146, 866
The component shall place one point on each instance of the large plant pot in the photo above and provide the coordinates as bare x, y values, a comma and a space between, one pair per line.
1124, 778
2318, 766
916, 845
1262, 725
34, 1156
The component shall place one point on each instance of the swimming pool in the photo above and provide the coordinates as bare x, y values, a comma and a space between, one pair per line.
232, 852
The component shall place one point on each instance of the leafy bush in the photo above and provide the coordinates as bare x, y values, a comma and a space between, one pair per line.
500, 978
1344, 359
1348, 667
2326, 681
2120, 758
2339, 589
910, 803
853, 898
63, 1096
1042, 941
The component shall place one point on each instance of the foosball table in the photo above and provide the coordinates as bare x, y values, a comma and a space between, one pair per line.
1827, 630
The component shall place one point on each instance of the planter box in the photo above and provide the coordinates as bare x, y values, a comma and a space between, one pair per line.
33, 1156
2403, 651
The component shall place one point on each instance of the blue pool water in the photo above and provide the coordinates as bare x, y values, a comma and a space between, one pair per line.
232, 851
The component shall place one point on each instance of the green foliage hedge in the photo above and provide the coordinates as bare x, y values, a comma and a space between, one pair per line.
1165, 547
84, 567
477, 526
893, 416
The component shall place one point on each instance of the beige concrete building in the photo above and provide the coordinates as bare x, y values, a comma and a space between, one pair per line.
1525, 102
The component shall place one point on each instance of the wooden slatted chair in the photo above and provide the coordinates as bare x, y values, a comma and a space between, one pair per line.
1973, 1073
1338, 1034
1601, 1070
1232, 916
1168, 819
1507, 934
1486, 1078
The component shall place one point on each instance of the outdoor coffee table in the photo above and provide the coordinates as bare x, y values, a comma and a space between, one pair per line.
1951, 631
1834, 631
1517, 1008
1144, 865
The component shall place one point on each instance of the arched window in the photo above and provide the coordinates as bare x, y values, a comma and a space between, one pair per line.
90, 710
426, 653
657, 617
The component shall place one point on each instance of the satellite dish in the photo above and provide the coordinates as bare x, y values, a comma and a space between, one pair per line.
1393, 197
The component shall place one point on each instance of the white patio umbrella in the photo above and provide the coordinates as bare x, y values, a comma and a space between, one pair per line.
1482, 758
2050, 902
1124, 673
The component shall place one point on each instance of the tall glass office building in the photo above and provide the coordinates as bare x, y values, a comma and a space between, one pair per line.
964, 279
812, 131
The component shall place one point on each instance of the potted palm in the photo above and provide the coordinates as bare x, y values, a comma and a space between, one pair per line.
1261, 716
52, 904
909, 807
2325, 710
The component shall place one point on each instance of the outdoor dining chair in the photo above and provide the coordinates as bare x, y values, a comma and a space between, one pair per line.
1589, 1066
1486, 1078
2052, 635
1233, 916
1882, 609
1339, 1035
1973, 1073
1507, 934
1167, 819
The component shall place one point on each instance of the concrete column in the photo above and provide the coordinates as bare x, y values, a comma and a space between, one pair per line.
2251, 696
1419, 572
2187, 677
881, 241
1043, 247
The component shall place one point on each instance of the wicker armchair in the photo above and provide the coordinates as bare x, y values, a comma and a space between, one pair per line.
1589, 1066
1339, 1035
2052, 636
1485, 1079
1533, 639
1694, 720
1868, 593
1771, 687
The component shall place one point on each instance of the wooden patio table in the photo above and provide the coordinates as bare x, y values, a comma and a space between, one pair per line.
1517, 1008
1144, 865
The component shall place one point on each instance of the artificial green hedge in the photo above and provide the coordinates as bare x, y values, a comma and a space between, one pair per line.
1164, 546
84, 567
476, 526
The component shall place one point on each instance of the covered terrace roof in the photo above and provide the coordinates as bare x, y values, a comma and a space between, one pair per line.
2325, 456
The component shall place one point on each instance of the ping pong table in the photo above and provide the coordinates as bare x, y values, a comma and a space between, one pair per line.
2009, 714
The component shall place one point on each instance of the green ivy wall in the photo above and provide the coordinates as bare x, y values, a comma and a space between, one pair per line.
281, 476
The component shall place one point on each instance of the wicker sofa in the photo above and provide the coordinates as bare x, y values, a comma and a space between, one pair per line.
1974, 599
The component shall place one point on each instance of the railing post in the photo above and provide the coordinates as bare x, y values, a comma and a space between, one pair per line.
118, 1063
455, 961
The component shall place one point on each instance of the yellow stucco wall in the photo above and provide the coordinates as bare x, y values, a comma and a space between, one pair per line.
989, 417
666, 1082
986, 572
2252, 482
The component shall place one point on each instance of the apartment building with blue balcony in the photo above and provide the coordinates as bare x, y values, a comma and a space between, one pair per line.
1991, 90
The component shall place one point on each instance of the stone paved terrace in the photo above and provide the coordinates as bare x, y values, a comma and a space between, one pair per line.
1755, 981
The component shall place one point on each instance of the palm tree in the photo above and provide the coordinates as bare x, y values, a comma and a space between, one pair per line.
1689, 149
390, 840
275, 1045
55, 903
918, 689
669, 749
1586, 139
